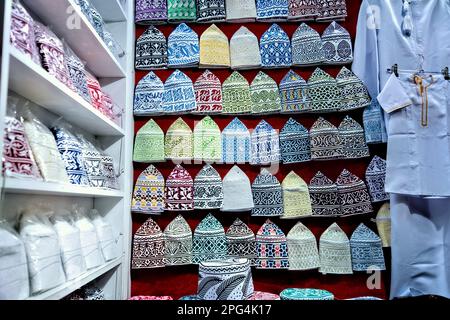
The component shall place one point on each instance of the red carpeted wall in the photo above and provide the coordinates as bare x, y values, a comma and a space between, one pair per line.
182, 280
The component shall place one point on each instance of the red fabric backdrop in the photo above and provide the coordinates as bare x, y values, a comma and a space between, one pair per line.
182, 280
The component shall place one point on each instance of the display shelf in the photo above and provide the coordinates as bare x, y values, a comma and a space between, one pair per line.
25, 186
111, 11
34, 83
73, 285
70, 24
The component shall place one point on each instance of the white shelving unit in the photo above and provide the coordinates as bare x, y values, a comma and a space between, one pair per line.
53, 99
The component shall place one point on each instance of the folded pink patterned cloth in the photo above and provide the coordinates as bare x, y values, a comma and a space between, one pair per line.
151, 298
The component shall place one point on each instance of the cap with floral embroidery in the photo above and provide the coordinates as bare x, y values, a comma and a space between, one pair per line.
151, 11
265, 144
324, 194
208, 93
209, 241
148, 195
271, 247
207, 141
151, 50
352, 139
178, 242
183, 47
331, 10
178, 141
179, 190
337, 44
307, 46
295, 144
214, 49
236, 95
208, 189
236, 142
244, 50
296, 198
267, 195
353, 193
265, 95
149, 143
334, 250
303, 250
275, 48
294, 93
302, 10
148, 246
326, 143
148, 96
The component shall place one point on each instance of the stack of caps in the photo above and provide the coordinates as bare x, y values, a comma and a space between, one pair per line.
374, 126
334, 248
211, 11
208, 93
337, 44
207, 141
181, 10
270, 10
179, 96
324, 94
275, 48
148, 195
271, 247
208, 189
303, 10
148, 96
148, 246
367, 251
265, 144
306, 294
151, 12
178, 242
383, 221
241, 10
97, 21
325, 141
151, 50
183, 47
209, 242
214, 49
95, 92
229, 279
236, 95
331, 10
77, 75
295, 143
352, 139
179, 190
265, 95
353, 194
267, 195
236, 143
265, 296
296, 198
149, 143
303, 251
294, 93
241, 241
237, 192
92, 162
244, 50
324, 194
354, 92
375, 177
178, 141
307, 47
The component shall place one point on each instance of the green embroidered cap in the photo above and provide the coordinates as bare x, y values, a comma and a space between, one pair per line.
236, 95
207, 141
149, 143
265, 94
178, 144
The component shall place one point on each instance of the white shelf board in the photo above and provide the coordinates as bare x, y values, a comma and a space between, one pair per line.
25, 186
111, 10
69, 23
37, 85
73, 285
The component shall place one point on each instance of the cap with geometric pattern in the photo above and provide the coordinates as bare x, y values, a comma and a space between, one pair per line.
269, 10
367, 251
178, 141
325, 141
303, 10
337, 44
355, 198
324, 194
236, 95
151, 50
271, 247
179, 95
209, 241
179, 190
208, 93
354, 92
352, 139
375, 177
295, 143
334, 250
307, 49
148, 246
265, 144
275, 48
181, 10
208, 189
148, 195
236, 142
214, 49
148, 96
150, 11
207, 141
149, 143
241, 241
330, 10
183, 47
324, 94
303, 250
296, 198
178, 242
294, 93
211, 11
306, 294
267, 195
265, 95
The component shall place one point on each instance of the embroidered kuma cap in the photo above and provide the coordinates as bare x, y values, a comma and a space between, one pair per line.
275, 48
375, 177
181, 10
353, 193
151, 11
303, 251
334, 250
271, 247
294, 93
236, 142
326, 142
179, 190
306, 294
241, 10
325, 198
178, 141
148, 195
179, 96
352, 139
265, 95
148, 246
151, 50
296, 198
354, 92
383, 221
265, 144
295, 144
269, 10
208, 94
307, 47
214, 49
229, 279
148, 96
211, 11
237, 192
331, 10
241, 241
302, 10
207, 141
149, 143
236, 95
244, 50
267, 195
178, 242
374, 127
264, 296
183, 47
337, 44
209, 242
324, 94
366, 248
208, 189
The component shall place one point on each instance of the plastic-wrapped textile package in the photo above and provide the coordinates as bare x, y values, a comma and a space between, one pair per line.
75, 67
95, 91
92, 162
105, 235
109, 172
70, 243
93, 292
107, 106
14, 282
45, 267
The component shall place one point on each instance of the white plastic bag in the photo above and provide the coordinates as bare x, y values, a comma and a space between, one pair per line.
105, 235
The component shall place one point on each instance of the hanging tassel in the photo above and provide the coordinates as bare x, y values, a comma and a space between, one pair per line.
407, 24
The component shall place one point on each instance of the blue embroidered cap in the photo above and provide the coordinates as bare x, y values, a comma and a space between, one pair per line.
275, 48
267, 195
374, 126
375, 177
271, 247
236, 142
265, 144
307, 46
148, 96
295, 144
183, 47
272, 10
294, 93
366, 248
179, 95
306, 294
337, 44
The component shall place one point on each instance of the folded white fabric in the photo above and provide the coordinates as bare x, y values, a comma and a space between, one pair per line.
105, 235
